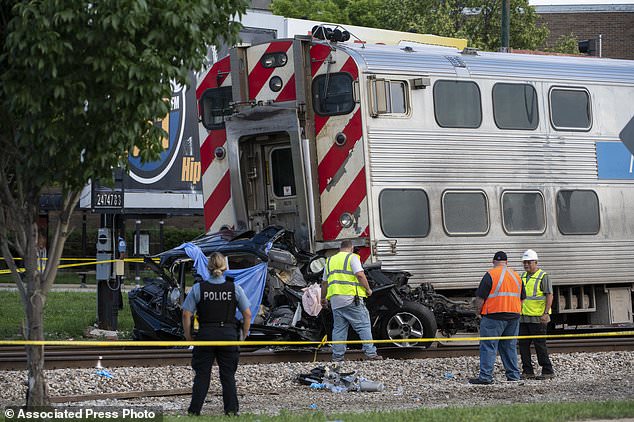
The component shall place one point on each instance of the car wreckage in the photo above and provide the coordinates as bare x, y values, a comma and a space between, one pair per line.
397, 310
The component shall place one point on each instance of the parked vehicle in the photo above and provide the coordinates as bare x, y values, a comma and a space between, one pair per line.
396, 310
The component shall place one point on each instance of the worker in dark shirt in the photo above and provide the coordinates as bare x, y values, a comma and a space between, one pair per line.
499, 300
215, 301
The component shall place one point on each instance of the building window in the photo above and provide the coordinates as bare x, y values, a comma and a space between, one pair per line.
465, 213
523, 212
515, 106
404, 212
570, 109
457, 104
578, 212
333, 94
215, 107
282, 172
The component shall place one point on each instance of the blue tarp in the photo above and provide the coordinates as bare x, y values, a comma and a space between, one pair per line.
200, 260
252, 279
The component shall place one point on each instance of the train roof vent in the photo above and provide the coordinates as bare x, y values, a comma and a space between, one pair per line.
469, 51
456, 61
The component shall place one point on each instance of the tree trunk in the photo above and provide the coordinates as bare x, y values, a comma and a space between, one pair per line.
18, 227
37, 392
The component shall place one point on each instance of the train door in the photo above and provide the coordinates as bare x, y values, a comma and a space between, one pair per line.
268, 180
269, 185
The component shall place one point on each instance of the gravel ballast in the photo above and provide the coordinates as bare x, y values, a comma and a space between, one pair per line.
270, 388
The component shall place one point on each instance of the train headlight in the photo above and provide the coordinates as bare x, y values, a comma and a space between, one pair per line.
220, 153
340, 139
346, 220
268, 61
275, 83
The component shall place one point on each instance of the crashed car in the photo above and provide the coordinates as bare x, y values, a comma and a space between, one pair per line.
397, 311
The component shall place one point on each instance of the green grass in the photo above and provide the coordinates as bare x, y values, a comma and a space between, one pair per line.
540, 412
66, 315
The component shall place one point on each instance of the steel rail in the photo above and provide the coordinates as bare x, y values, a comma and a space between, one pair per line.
14, 358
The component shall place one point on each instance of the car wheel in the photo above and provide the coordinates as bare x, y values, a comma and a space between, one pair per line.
411, 321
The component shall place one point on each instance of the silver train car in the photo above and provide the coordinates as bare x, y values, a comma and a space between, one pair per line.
431, 159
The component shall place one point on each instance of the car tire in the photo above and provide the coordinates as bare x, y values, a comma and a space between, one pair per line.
412, 320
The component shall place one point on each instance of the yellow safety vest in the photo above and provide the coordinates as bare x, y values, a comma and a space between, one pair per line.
535, 303
341, 279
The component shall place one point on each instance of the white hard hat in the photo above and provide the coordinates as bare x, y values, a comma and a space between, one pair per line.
529, 255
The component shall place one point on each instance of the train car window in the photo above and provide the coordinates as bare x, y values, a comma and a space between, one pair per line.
333, 94
578, 212
570, 109
283, 178
410, 218
395, 97
457, 104
523, 212
398, 98
465, 213
515, 106
215, 107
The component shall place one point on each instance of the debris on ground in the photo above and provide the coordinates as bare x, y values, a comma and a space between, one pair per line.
92, 332
330, 377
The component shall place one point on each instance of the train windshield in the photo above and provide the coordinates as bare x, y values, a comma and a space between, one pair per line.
215, 107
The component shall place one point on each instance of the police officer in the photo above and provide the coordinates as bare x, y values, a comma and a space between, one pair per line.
499, 301
344, 283
535, 316
215, 300
121, 246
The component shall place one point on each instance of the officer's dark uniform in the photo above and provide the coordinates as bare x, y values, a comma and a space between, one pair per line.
216, 317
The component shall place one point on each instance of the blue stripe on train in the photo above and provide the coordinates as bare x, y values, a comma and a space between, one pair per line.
614, 161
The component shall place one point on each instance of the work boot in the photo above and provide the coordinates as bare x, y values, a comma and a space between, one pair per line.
527, 376
479, 381
373, 357
545, 377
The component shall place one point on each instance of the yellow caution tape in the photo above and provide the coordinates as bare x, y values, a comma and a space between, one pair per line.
323, 341
287, 343
81, 259
81, 264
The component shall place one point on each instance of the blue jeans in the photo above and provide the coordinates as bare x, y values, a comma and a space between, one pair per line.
508, 348
359, 318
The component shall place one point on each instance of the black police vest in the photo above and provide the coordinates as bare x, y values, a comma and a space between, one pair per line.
217, 304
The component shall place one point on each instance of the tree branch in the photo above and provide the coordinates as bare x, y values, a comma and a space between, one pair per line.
8, 256
61, 233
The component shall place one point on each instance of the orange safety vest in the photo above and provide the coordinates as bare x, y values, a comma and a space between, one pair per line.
505, 294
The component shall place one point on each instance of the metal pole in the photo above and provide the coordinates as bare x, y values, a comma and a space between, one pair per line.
137, 247
600, 45
506, 25
161, 244
84, 239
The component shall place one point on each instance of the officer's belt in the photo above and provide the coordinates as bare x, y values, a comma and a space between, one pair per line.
218, 324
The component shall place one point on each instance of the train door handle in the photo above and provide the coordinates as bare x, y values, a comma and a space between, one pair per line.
391, 243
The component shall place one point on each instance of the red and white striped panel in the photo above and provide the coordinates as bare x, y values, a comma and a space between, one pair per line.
259, 76
218, 206
341, 169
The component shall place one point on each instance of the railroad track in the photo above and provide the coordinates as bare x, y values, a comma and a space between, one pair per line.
14, 357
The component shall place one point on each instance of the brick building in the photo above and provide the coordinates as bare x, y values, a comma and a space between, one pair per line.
613, 21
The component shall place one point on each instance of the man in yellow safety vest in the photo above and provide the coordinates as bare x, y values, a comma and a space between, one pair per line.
535, 316
345, 285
